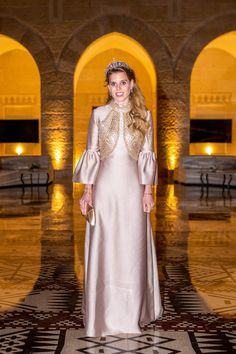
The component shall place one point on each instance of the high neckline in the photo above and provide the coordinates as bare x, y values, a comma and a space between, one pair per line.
117, 107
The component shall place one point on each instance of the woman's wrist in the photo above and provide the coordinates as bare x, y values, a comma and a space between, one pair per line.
88, 188
148, 190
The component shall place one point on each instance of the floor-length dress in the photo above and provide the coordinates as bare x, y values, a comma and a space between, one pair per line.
121, 287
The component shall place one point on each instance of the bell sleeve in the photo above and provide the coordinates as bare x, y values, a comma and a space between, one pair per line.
87, 167
147, 162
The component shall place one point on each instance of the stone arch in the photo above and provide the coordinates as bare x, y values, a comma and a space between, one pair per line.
182, 68
89, 90
31, 40
38, 48
135, 28
132, 27
198, 39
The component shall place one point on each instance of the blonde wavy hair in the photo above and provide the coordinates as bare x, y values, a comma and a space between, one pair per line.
138, 112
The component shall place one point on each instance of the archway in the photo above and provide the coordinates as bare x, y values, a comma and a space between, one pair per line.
22, 43
89, 89
148, 37
184, 61
19, 100
42, 55
213, 98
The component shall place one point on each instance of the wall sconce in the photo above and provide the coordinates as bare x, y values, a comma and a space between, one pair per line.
19, 150
209, 150
58, 156
172, 161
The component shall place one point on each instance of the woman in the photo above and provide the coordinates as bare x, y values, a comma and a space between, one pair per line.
118, 168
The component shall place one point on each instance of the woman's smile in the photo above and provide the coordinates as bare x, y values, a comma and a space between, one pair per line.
120, 87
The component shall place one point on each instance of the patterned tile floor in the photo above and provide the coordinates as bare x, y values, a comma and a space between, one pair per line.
41, 269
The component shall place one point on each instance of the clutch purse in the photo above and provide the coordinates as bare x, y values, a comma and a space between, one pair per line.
90, 215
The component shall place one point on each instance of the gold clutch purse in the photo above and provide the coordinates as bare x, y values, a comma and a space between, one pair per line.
90, 215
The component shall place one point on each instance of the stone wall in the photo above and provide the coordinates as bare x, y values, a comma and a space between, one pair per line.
56, 32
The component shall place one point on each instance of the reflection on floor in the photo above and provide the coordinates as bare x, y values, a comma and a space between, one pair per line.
41, 272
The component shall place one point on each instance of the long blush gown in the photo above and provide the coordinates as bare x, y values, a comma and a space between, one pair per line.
121, 287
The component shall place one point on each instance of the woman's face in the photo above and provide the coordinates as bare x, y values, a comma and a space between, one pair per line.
119, 87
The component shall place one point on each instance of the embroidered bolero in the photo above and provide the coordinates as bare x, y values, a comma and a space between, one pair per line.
103, 134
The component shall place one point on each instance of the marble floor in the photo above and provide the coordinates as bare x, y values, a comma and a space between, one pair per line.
41, 272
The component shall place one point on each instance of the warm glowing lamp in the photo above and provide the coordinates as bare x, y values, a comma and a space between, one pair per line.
172, 162
57, 156
19, 150
209, 150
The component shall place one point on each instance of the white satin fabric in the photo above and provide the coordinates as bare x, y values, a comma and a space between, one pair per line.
121, 287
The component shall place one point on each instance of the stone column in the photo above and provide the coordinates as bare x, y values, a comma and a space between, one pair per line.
57, 120
172, 125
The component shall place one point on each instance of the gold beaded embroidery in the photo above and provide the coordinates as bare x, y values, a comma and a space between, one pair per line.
109, 134
133, 138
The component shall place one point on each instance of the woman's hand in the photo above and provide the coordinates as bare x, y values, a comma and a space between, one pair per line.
85, 200
148, 201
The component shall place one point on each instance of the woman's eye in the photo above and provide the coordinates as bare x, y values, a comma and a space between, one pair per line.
112, 84
123, 83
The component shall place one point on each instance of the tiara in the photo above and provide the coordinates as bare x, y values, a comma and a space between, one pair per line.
116, 65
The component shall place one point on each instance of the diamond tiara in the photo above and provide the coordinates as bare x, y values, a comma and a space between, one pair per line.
116, 65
